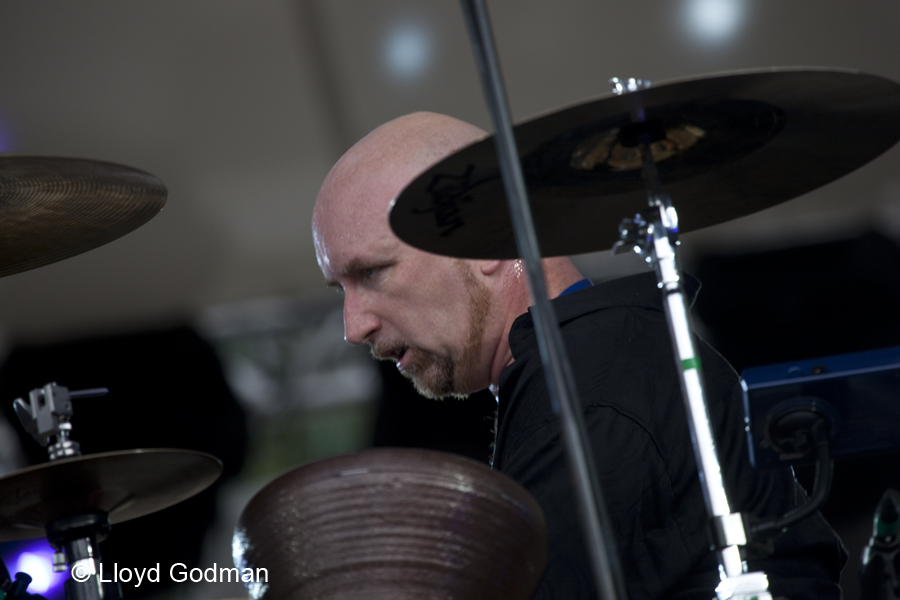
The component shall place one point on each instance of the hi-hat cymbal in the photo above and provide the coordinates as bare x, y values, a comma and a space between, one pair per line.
53, 208
125, 484
727, 146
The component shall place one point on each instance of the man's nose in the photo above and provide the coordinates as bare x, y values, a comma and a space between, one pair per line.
360, 323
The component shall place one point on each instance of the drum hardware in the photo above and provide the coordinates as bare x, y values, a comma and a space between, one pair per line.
656, 238
399, 523
73, 500
855, 394
76, 540
54, 208
878, 573
803, 430
603, 557
48, 413
763, 137
724, 146
17, 589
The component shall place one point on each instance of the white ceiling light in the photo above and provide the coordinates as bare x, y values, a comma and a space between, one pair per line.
407, 50
714, 20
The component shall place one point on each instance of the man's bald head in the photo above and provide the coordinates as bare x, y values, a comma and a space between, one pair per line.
374, 171
444, 321
426, 312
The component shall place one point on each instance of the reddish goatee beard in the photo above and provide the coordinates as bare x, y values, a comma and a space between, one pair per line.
438, 377
432, 375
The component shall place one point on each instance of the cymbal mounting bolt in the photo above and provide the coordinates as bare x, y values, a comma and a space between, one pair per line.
59, 561
48, 414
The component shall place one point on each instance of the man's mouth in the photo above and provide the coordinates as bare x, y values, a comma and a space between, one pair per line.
394, 352
399, 360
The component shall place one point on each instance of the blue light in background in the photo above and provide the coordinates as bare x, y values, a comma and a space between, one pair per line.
35, 557
40, 567
714, 20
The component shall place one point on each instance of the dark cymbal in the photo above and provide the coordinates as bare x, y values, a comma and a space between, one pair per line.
53, 208
126, 484
398, 523
727, 146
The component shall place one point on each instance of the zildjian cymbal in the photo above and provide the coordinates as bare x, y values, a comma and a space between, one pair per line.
725, 146
53, 208
124, 484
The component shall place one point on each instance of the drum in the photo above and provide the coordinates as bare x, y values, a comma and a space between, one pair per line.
392, 523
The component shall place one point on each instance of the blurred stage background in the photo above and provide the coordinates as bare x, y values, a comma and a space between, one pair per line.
241, 107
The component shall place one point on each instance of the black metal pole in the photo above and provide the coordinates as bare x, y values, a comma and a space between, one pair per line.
558, 372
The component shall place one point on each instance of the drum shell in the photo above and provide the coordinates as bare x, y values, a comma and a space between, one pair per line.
395, 524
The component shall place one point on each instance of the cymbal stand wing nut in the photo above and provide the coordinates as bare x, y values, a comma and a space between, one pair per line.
48, 413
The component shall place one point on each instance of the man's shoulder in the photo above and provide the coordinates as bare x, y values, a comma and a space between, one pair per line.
589, 315
616, 340
635, 291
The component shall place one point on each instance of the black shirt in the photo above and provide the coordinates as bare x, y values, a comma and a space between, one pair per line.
618, 343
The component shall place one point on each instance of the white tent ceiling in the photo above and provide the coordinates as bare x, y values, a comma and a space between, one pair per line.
240, 107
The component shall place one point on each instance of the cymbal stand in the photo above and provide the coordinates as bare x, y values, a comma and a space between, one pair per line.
558, 372
655, 238
48, 414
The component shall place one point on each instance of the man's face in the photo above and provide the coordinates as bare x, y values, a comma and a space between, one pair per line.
425, 312
435, 375
428, 313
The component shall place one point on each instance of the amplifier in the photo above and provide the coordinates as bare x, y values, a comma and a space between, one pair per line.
857, 394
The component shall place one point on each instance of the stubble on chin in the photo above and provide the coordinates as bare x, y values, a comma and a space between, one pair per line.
432, 375
439, 377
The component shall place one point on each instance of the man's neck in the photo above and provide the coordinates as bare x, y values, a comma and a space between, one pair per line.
559, 274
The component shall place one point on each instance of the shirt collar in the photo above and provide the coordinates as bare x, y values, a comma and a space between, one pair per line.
578, 285
640, 291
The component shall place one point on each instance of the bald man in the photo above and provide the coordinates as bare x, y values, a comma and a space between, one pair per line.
456, 326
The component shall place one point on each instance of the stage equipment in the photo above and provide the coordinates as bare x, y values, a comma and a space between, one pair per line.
53, 208
17, 589
879, 568
726, 146
759, 138
599, 544
399, 523
820, 409
856, 396
74, 499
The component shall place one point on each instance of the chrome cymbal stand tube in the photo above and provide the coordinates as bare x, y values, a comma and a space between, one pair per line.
558, 372
655, 239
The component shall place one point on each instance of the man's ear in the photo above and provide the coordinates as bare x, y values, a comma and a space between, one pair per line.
489, 267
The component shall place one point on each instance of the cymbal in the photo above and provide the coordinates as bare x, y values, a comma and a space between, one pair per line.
125, 484
53, 208
726, 146
398, 523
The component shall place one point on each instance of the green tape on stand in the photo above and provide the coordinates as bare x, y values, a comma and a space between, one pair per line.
690, 363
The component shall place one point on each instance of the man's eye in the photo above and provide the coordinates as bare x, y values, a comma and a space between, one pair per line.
371, 272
